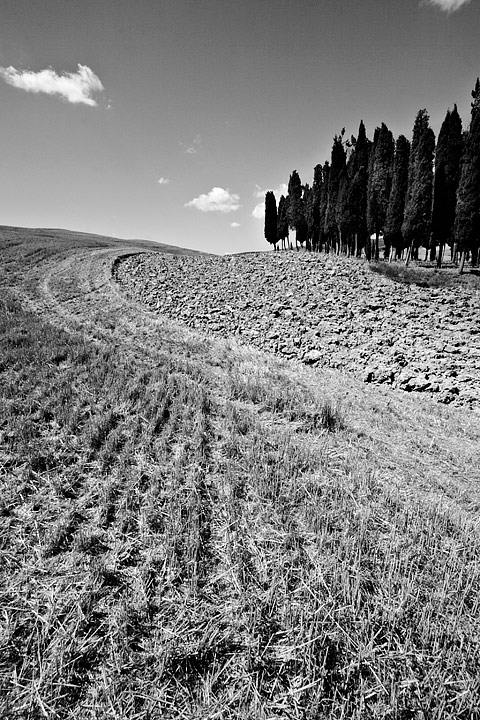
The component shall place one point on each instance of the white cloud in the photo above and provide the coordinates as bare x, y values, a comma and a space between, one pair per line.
195, 146
163, 181
217, 200
76, 88
234, 225
259, 211
448, 6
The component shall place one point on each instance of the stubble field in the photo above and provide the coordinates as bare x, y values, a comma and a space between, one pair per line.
194, 528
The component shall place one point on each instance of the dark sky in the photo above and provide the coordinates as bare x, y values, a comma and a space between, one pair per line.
219, 100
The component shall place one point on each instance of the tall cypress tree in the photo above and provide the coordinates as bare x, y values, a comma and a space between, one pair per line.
467, 221
396, 206
418, 207
343, 216
448, 155
282, 221
380, 182
323, 204
357, 194
309, 206
296, 218
337, 168
317, 188
270, 231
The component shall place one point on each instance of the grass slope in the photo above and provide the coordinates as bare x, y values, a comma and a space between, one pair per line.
197, 530
425, 274
49, 240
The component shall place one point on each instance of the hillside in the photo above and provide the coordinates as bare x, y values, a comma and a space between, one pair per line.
44, 239
192, 527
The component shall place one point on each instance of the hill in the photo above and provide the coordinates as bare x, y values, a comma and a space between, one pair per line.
52, 239
192, 527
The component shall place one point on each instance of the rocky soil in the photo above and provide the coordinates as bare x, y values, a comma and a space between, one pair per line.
322, 310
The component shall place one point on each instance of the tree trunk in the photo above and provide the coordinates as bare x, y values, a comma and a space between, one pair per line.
368, 249
462, 262
409, 252
377, 253
440, 256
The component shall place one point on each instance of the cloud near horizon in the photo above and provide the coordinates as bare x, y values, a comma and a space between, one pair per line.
217, 200
259, 209
448, 6
163, 181
76, 88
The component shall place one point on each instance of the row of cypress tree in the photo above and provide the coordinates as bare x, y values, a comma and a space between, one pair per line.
416, 194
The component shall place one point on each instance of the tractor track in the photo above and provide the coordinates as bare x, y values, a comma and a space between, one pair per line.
75, 291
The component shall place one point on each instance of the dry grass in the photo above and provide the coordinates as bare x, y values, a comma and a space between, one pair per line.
218, 534
426, 274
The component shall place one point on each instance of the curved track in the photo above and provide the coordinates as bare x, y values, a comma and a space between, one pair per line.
240, 505
73, 288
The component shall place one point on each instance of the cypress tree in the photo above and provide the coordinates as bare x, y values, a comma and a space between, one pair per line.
296, 219
282, 221
343, 216
379, 182
467, 221
357, 194
418, 207
323, 203
448, 155
317, 188
337, 168
302, 236
308, 201
270, 231
396, 206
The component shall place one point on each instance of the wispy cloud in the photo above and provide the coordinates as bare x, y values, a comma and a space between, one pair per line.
217, 200
235, 225
163, 181
259, 209
76, 88
194, 147
448, 6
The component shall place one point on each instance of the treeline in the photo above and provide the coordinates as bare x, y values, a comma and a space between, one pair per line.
415, 194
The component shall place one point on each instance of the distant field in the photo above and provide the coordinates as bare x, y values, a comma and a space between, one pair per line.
38, 239
194, 529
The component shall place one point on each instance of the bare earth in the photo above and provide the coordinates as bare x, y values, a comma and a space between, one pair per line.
326, 311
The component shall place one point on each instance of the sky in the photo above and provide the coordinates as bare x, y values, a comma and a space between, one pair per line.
168, 120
